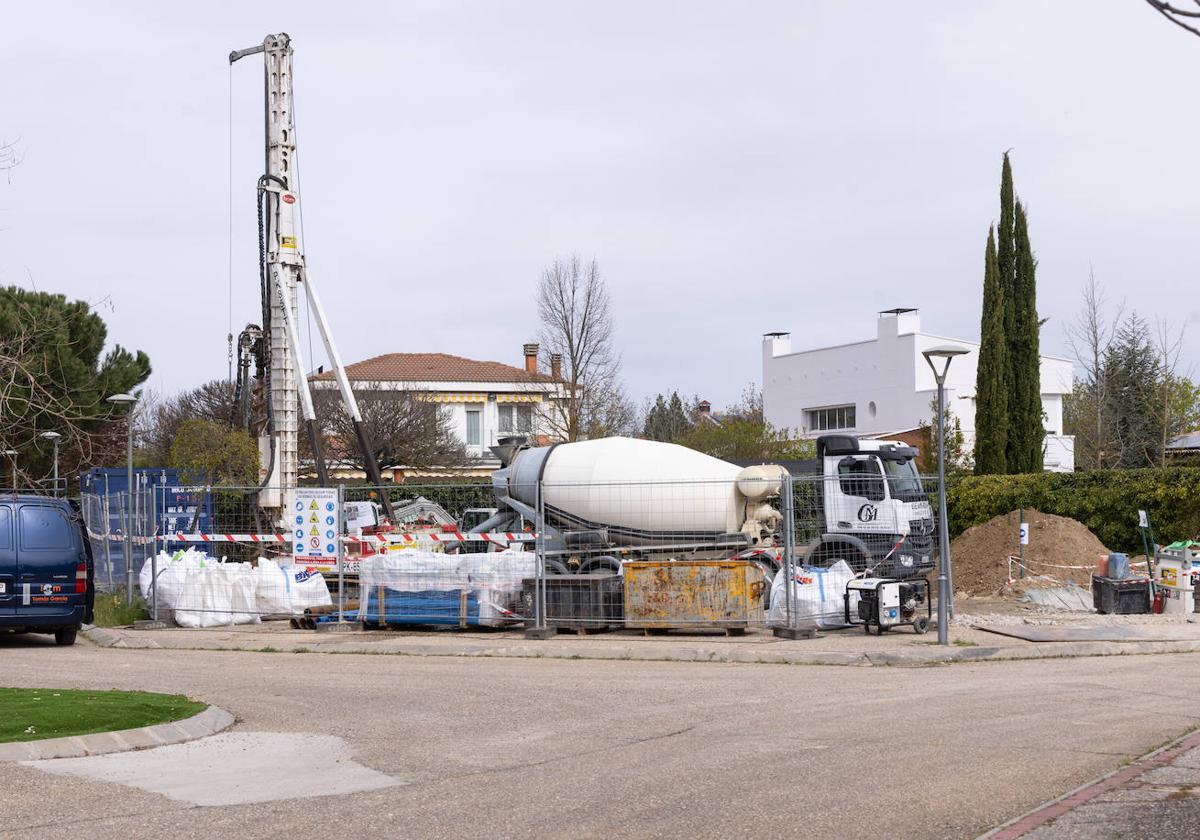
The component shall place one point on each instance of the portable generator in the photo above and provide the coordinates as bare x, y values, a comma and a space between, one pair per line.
888, 603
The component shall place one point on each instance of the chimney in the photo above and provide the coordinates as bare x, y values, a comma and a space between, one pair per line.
531, 354
704, 407
556, 366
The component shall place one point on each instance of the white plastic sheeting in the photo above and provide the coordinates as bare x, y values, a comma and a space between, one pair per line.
202, 591
495, 578
818, 597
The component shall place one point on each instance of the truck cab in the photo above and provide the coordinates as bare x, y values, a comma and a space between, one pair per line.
873, 510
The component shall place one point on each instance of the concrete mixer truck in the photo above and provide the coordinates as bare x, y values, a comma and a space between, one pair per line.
618, 499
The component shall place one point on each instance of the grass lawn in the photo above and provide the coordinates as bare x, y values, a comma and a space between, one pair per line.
30, 714
111, 611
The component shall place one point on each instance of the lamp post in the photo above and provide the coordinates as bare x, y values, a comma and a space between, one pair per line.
944, 354
129, 400
53, 437
12, 454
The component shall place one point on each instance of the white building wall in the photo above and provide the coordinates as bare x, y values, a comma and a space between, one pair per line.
891, 385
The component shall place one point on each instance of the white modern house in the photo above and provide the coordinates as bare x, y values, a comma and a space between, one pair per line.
882, 386
483, 400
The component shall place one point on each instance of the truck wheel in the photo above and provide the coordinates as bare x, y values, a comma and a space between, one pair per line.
64, 637
921, 625
605, 563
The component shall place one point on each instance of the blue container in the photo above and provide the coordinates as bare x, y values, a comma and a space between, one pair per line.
429, 607
1118, 566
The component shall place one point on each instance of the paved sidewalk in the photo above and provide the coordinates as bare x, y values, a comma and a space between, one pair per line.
838, 647
1156, 796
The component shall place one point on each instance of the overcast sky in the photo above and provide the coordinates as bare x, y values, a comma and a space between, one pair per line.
736, 168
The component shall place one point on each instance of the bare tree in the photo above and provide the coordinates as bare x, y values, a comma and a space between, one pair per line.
158, 419
1175, 403
1185, 18
9, 157
404, 431
1090, 338
577, 327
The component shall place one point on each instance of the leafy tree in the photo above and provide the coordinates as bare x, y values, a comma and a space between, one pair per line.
668, 419
56, 379
741, 432
958, 459
210, 453
991, 394
1027, 429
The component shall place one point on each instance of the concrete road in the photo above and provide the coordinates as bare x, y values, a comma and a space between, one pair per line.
533, 748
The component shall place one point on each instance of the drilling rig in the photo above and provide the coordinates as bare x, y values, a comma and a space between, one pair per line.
274, 346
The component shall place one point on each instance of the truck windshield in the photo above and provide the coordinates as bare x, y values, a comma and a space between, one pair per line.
903, 480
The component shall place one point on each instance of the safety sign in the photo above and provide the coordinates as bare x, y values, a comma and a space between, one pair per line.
315, 526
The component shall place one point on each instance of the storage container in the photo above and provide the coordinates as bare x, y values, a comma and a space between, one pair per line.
693, 594
580, 602
1121, 597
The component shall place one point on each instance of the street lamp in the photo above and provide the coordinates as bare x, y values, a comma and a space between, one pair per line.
53, 437
129, 400
943, 354
12, 454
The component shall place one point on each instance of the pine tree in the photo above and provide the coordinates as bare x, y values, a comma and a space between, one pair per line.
1027, 429
991, 394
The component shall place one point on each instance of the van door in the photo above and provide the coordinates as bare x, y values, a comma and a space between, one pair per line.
8, 562
48, 551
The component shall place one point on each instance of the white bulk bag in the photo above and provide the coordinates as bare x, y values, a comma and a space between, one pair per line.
818, 597
308, 589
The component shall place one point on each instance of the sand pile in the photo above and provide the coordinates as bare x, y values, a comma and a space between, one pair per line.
980, 554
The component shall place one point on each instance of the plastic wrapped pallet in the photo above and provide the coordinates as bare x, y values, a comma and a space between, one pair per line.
818, 597
415, 571
497, 579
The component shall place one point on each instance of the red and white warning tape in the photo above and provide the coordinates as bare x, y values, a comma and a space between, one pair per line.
372, 539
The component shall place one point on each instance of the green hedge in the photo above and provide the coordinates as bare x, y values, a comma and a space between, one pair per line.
1106, 501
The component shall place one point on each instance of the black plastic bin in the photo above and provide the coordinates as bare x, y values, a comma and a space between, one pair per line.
1121, 596
580, 602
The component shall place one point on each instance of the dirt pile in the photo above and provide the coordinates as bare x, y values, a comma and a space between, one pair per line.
980, 554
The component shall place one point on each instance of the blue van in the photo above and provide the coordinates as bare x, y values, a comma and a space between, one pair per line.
45, 568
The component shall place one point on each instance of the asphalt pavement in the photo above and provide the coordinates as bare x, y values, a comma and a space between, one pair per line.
594, 748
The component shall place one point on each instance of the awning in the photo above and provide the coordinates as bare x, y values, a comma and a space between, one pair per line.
518, 398
452, 398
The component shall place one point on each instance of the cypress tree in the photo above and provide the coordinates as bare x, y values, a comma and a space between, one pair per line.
1006, 262
1025, 399
991, 394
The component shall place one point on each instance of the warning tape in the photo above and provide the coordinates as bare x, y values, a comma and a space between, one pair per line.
373, 539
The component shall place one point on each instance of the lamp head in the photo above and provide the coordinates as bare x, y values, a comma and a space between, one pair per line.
943, 353
50, 436
121, 399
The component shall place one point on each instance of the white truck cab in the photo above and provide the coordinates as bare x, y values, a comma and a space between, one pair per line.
872, 508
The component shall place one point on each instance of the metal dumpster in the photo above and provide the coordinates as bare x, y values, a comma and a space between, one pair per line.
693, 594
579, 602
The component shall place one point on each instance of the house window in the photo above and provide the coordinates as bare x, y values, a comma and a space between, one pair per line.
826, 419
474, 427
516, 419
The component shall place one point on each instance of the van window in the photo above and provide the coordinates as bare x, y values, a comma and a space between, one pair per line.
5, 528
44, 528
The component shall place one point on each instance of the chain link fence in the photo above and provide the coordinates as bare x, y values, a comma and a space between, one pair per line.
765, 551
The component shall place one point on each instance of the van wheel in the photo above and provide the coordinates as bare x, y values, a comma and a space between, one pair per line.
64, 637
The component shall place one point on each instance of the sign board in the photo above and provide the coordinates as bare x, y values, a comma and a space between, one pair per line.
1024, 533
1143, 520
316, 524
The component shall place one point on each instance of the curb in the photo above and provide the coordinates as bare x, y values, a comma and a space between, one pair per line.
1072, 799
910, 658
208, 722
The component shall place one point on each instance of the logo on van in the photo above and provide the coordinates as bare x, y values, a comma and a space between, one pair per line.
868, 513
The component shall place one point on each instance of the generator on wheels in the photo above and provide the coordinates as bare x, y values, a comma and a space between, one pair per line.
888, 603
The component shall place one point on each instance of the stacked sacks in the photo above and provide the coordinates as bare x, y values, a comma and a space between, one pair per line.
201, 591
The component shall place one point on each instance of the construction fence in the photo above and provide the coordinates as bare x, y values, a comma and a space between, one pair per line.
572, 556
